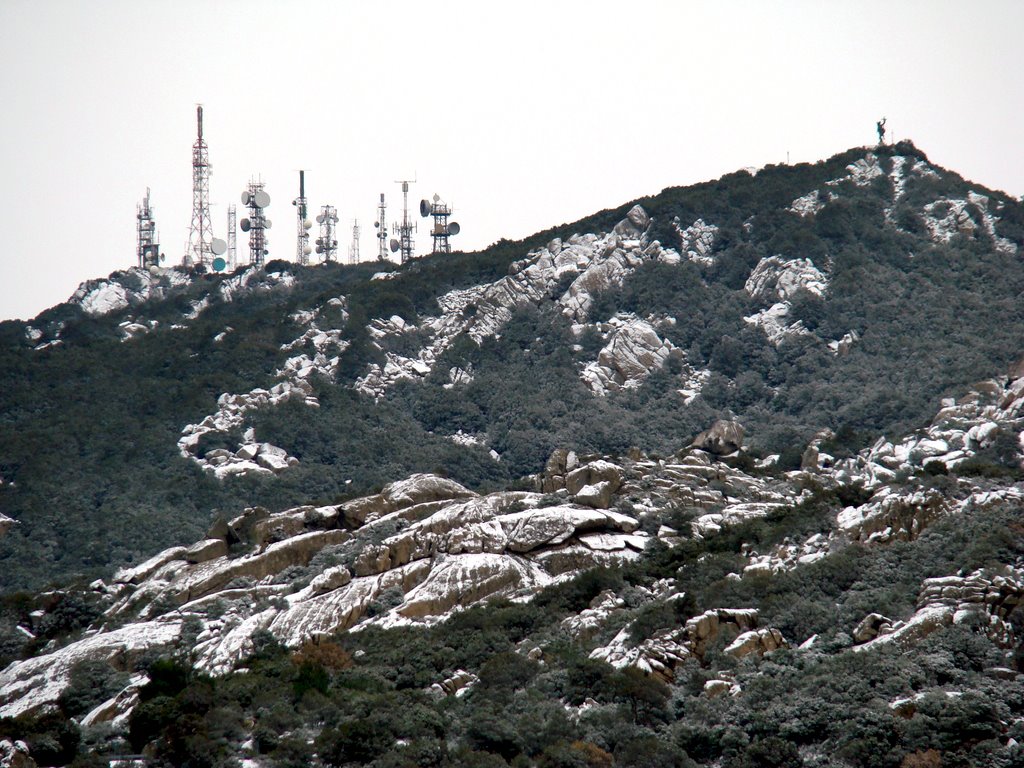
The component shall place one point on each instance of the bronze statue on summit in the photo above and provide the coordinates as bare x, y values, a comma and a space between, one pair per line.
880, 125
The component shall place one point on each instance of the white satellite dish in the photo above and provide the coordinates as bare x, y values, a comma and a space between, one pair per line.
266, 224
244, 225
319, 218
307, 224
218, 246
395, 246
306, 250
245, 197
154, 270
437, 198
454, 228
262, 199
424, 208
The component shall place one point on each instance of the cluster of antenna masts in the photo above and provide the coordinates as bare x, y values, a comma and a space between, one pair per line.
206, 252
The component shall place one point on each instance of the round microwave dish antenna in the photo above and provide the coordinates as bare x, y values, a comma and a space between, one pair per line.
437, 198
244, 225
319, 218
219, 264
266, 224
454, 228
245, 197
262, 199
424, 208
218, 246
395, 245
307, 224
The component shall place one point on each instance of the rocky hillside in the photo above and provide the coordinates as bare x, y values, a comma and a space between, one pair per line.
725, 476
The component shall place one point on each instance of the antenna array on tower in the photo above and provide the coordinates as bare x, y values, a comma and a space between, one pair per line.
256, 225
382, 230
327, 244
442, 229
302, 249
148, 249
406, 228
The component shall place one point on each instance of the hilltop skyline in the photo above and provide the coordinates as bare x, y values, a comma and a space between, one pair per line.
521, 120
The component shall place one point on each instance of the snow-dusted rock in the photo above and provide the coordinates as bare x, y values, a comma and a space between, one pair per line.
632, 352
776, 278
697, 241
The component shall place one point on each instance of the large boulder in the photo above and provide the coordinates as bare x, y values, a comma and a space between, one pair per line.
721, 439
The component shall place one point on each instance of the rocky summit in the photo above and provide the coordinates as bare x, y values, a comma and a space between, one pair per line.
731, 475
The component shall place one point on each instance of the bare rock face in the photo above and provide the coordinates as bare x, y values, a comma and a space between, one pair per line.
759, 641
632, 353
871, 626
721, 439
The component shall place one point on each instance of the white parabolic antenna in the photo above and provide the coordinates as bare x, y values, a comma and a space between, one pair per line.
266, 224
454, 228
319, 218
218, 246
307, 224
262, 199
307, 250
245, 197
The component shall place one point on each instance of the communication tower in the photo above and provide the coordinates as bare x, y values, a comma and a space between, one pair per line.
442, 229
353, 250
406, 228
202, 245
257, 224
148, 249
327, 244
382, 230
232, 238
302, 249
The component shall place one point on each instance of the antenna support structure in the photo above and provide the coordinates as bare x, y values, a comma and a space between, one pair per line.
148, 249
404, 230
442, 228
302, 249
257, 223
327, 244
381, 225
232, 237
199, 251
353, 249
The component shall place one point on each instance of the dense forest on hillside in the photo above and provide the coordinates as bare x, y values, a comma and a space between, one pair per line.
88, 452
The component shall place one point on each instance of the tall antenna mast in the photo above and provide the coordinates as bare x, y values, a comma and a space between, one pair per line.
232, 238
353, 250
382, 230
202, 245
256, 225
302, 249
327, 244
148, 249
442, 229
406, 228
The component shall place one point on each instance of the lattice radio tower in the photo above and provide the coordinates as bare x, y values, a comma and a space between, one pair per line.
232, 238
353, 250
302, 249
406, 228
257, 224
202, 245
327, 244
442, 229
148, 249
382, 230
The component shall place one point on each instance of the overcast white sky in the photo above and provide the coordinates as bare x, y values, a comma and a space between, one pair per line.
523, 115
